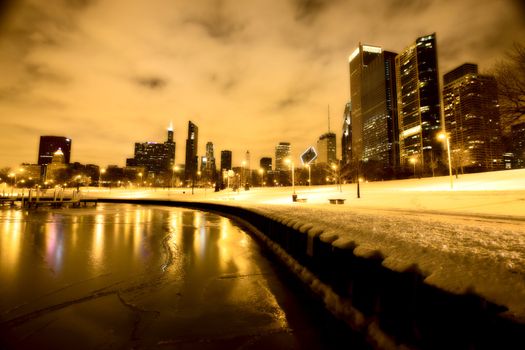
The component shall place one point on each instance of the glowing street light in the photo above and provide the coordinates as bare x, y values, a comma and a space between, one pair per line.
102, 171
13, 175
140, 183
413, 161
175, 169
444, 136
261, 172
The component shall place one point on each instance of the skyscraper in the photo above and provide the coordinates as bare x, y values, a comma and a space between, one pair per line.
373, 117
156, 157
192, 161
211, 168
282, 151
326, 148
359, 59
418, 101
472, 119
346, 138
266, 163
226, 160
49, 145
517, 134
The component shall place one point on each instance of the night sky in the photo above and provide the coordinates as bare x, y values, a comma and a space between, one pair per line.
249, 73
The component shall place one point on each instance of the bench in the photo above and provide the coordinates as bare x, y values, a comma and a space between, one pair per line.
301, 200
337, 201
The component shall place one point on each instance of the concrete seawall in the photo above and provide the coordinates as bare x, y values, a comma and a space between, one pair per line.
393, 309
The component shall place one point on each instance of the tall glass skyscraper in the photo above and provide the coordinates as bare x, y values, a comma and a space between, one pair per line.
472, 119
373, 117
346, 138
418, 103
192, 160
226, 160
282, 151
326, 148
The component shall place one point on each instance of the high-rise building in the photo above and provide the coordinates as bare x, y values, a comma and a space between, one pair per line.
358, 60
418, 102
472, 119
49, 145
373, 116
266, 163
210, 169
326, 149
282, 151
192, 160
226, 160
346, 138
155, 157
517, 134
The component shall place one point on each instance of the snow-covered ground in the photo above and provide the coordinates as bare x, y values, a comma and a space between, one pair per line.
470, 238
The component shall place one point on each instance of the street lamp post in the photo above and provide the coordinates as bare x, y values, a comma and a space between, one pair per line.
261, 172
102, 171
444, 136
243, 164
140, 183
336, 174
175, 169
13, 176
289, 161
309, 175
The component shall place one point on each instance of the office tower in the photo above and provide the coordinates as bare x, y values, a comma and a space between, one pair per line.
374, 134
517, 134
359, 59
282, 151
326, 149
419, 108
211, 169
191, 166
226, 160
346, 138
265, 163
170, 147
49, 145
155, 157
472, 119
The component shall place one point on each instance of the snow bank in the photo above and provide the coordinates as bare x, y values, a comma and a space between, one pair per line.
457, 254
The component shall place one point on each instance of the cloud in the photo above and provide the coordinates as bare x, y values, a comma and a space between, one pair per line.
79, 4
216, 21
405, 7
309, 10
153, 83
249, 73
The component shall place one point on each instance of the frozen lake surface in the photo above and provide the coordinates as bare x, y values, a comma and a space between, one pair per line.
126, 276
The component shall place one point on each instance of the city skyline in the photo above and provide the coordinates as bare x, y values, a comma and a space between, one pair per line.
250, 75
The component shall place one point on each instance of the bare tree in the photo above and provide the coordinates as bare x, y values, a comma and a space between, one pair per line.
510, 75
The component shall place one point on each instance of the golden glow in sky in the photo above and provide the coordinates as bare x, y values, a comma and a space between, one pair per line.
250, 74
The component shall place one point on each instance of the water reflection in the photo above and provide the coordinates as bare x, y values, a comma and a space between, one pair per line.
157, 273
10, 244
93, 241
